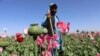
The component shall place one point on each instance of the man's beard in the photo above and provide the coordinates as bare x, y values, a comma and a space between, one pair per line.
53, 13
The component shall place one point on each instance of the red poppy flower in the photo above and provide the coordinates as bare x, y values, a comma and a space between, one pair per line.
18, 34
20, 39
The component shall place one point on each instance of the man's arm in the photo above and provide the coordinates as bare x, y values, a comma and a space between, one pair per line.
47, 16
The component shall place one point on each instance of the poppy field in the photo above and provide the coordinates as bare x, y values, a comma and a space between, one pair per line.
74, 44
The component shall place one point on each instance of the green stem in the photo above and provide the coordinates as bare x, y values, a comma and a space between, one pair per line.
56, 52
26, 52
45, 44
35, 46
64, 44
40, 50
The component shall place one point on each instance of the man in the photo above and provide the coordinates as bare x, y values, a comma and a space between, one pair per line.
50, 24
50, 16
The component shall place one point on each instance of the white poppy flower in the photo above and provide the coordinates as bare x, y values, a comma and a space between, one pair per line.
26, 31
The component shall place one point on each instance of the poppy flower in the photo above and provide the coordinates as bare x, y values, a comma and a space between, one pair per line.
19, 37
98, 54
14, 55
55, 44
46, 53
55, 37
26, 31
18, 34
64, 28
40, 41
48, 38
1, 49
49, 47
4, 35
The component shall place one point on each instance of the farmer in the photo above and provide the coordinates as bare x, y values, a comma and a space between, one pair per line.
51, 26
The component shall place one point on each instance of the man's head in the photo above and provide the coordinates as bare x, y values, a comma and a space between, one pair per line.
53, 8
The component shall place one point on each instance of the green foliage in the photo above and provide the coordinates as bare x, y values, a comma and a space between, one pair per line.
74, 46
4, 42
83, 47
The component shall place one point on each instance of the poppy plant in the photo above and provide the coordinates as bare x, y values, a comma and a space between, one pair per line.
4, 35
64, 28
1, 49
46, 53
40, 41
18, 34
19, 37
98, 54
49, 38
48, 42
26, 31
55, 44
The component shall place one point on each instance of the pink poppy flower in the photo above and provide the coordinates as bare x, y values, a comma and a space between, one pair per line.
94, 41
64, 28
14, 55
98, 54
46, 53
4, 35
51, 40
1, 49
55, 44
90, 36
42, 37
40, 41
99, 33
55, 37
48, 38
49, 47
81, 36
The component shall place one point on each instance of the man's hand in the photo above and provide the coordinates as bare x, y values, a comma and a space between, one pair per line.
49, 15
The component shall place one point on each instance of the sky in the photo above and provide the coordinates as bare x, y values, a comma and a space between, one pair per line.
15, 15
